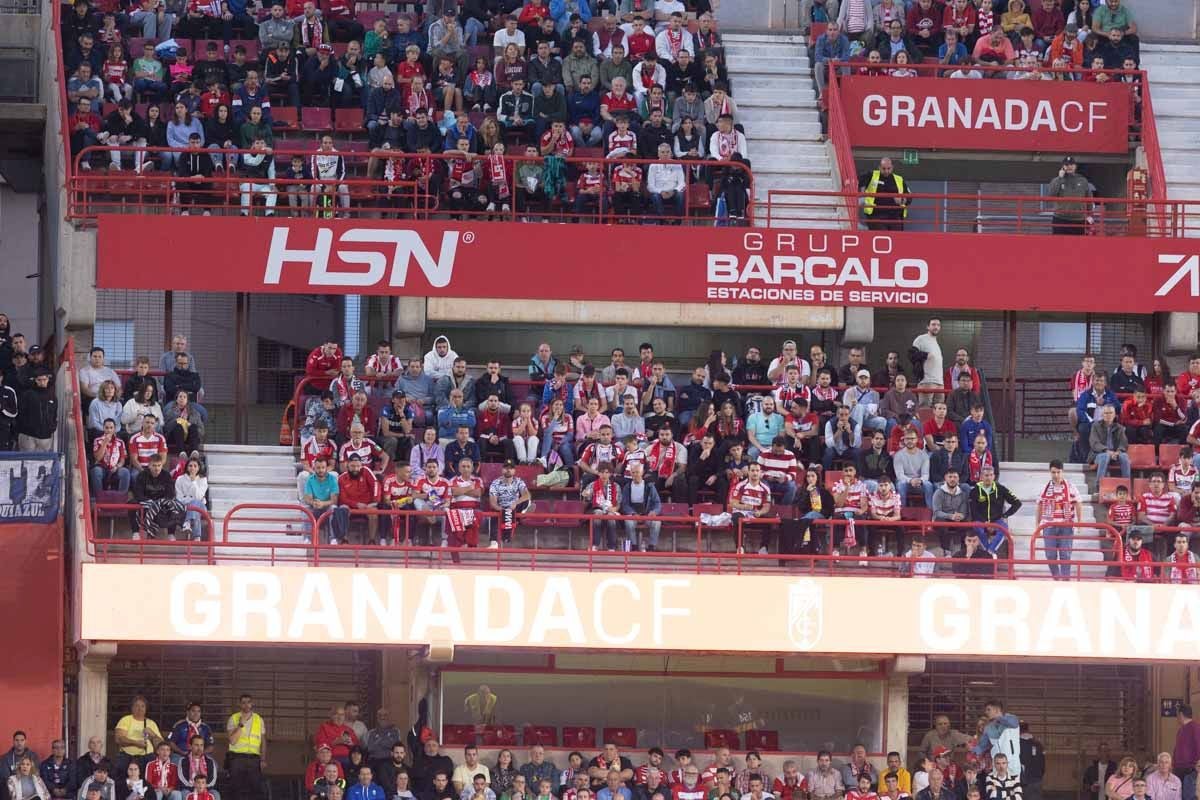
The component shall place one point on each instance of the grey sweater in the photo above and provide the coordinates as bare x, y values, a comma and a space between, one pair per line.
945, 504
909, 466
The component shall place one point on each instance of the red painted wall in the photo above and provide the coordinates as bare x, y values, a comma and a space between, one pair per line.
31, 603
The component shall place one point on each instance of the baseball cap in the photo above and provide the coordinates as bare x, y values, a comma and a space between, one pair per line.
398, 393
588, 120
324, 746
1072, 29
1068, 160
862, 372
194, 135
1135, 534
508, 462
940, 751
37, 348
355, 457
325, 48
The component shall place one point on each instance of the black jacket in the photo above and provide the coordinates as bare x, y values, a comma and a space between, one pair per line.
981, 565
193, 164
134, 383
650, 137
703, 468
182, 380
149, 487
747, 374
219, 133
876, 466
37, 414
804, 501
1033, 760
942, 462
485, 387
205, 72
989, 507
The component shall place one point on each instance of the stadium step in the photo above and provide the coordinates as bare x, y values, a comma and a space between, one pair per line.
241, 474
1174, 75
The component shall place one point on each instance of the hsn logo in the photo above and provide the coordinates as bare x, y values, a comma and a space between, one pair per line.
1189, 268
398, 249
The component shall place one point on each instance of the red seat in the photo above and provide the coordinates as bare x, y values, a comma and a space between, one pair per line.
919, 514
621, 737
499, 736
832, 476
285, 118
316, 120
458, 734
924, 414
348, 120
490, 471
762, 740
567, 507
1141, 456
367, 18
546, 735
708, 508
1108, 485
579, 738
699, 197
720, 738
529, 473
1168, 455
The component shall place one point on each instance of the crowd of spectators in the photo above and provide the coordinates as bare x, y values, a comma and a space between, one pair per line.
884, 37
28, 404
754, 435
134, 429
479, 82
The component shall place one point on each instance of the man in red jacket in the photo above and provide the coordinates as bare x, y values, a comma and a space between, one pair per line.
323, 365
493, 431
357, 489
334, 733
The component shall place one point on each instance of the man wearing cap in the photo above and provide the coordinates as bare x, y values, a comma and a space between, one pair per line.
509, 495
193, 168
446, 38
1072, 213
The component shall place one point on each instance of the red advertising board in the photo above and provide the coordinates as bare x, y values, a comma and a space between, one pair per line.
989, 114
699, 265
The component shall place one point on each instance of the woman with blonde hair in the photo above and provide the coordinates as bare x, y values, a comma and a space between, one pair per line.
1119, 786
26, 783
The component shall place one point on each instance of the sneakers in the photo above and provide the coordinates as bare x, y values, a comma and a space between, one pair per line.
186, 527
741, 551
493, 545
333, 540
542, 462
762, 551
383, 542
136, 536
445, 542
170, 537
195, 454
491, 206
505, 207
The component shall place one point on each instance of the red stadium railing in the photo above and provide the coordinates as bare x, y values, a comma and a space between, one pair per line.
96, 191
401, 552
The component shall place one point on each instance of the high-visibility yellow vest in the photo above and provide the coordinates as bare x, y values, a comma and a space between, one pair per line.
250, 741
873, 187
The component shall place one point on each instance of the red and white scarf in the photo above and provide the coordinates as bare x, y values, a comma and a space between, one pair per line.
312, 34
499, 175
726, 144
660, 459
674, 42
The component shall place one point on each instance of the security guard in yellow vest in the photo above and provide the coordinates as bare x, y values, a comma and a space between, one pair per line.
887, 197
247, 754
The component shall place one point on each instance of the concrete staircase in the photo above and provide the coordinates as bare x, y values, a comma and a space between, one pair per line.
772, 78
1026, 480
240, 474
1174, 73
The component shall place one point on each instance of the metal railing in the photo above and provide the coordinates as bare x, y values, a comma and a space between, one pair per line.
150, 191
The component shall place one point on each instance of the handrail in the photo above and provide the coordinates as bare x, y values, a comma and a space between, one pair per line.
81, 458
840, 141
859, 66
61, 88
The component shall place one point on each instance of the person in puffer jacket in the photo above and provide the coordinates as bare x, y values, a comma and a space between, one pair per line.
328, 170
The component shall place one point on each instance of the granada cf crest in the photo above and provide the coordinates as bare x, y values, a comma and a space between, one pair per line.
806, 612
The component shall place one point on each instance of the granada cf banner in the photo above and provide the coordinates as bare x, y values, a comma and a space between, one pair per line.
993, 272
342, 606
1026, 116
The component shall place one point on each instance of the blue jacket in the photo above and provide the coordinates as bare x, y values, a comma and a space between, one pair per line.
581, 105
450, 419
456, 452
970, 429
549, 394
833, 51
653, 503
991, 734
558, 10
372, 791
1086, 414
243, 101
689, 396
454, 134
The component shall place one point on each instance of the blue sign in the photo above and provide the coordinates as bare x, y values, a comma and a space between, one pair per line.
30, 487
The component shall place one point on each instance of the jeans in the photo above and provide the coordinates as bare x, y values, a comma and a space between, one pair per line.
1102, 462
99, 476
927, 489
565, 450
536, 89
116, 156
438, 521
193, 519
148, 86
660, 204
785, 491
819, 535
831, 453
151, 27
992, 538
867, 420
609, 530
653, 527
472, 29
1059, 542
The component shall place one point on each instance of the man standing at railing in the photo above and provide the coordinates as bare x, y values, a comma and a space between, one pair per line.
1059, 508
887, 198
1072, 214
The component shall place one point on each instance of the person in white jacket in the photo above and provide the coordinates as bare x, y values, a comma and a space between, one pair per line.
440, 360
666, 184
328, 171
673, 37
190, 490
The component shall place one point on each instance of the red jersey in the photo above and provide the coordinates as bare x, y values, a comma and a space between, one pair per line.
618, 140
318, 364
1121, 514
778, 465
490, 422
602, 496
112, 455
590, 181
162, 775
1185, 383
437, 490
785, 394
883, 508
627, 177
114, 71
1135, 413
615, 103
209, 101
525, 427
361, 489
312, 450
565, 146
144, 447
384, 366
1182, 574
1158, 508
639, 44
397, 492
1058, 502
367, 450
597, 453
532, 15
748, 494
681, 792
466, 500
938, 432
1136, 566
853, 495
1169, 414
788, 791
1080, 384
634, 456
1182, 476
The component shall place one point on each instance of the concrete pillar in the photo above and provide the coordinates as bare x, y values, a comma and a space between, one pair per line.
408, 325
860, 326
895, 735
93, 690
1180, 333
1169, 681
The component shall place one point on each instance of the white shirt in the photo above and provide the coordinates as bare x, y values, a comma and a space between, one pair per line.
188, 488
739, 139
781, 378
662, 43
665, 178
972, 74
659, 77
933, 363
667, 8
923, 568
91, 377
501, 39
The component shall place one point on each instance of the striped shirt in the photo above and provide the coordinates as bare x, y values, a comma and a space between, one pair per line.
853, 495
144, 447
1158, 508
880, 507
778, 465
1183, 477
366, 450
465, 500
747, 494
